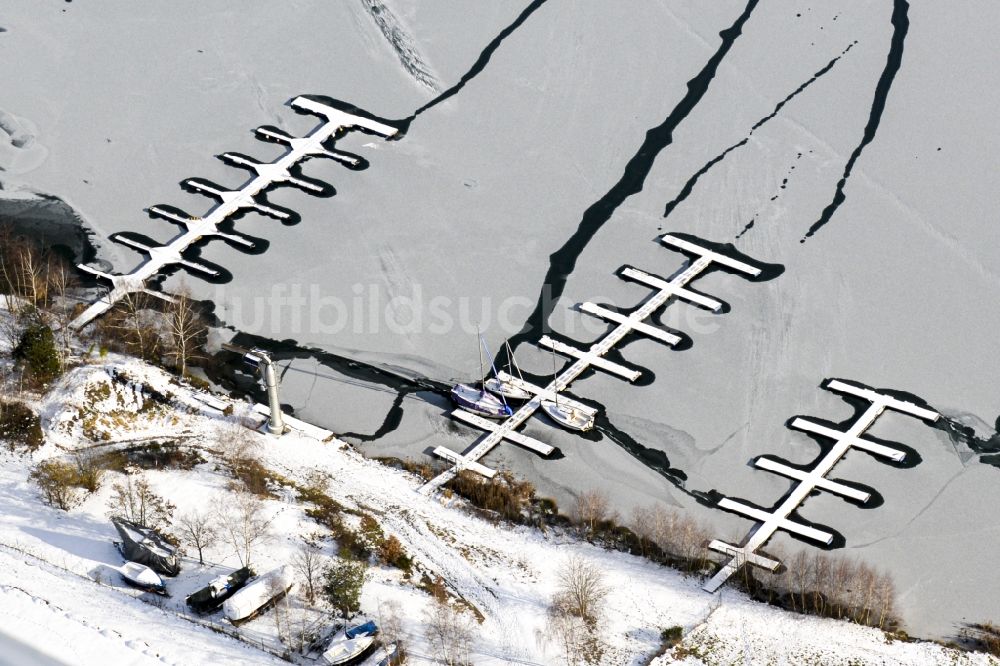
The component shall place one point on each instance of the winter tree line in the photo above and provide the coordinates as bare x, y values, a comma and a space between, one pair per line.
42, 290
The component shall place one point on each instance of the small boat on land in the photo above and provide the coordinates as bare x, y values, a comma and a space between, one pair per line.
142, 577
505, 388
478, 400
351, 643
213, 595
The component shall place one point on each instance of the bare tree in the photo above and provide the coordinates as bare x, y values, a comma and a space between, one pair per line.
590, 509
243, 523
238, 443
136, 326
309, 564
450, 633
391, 623
135, 501
198, 529
568, 631
282, 608
186, 329
581, 588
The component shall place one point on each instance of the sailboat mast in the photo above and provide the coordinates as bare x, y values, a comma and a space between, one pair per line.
482, 368
555, 378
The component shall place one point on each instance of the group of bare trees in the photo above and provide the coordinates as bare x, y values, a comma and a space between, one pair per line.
153, 329
33, 272
64, 482
139, 324
238, 519
134, 500
818, 583
680, 538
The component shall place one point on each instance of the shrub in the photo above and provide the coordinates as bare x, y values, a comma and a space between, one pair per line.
60, 480
986, 637
672, 636
20, 426
38, 353
504, 495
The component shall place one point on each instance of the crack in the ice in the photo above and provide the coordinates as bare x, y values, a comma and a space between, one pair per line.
563, 261
894, 60
477, 66
693, 180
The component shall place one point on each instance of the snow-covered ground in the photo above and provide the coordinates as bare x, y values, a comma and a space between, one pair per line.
895, 291
51, 561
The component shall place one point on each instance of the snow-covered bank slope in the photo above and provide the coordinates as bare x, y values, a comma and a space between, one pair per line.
508, 574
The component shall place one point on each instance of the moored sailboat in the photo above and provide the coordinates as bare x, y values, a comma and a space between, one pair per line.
563, 413
478, 400
504, 388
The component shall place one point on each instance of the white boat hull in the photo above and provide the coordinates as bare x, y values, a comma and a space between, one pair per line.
344, 649
506, 389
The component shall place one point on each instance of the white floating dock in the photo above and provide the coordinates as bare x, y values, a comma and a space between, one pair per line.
594, 355
231, 202
522, 440
808, 482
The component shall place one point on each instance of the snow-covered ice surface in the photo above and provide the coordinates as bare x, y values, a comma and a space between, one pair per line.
50, 560
894, 291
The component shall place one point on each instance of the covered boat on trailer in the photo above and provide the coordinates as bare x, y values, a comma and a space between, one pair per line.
146, 546
259, 595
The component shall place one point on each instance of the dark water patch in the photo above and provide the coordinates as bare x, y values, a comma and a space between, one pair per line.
768, 271
693, 180
748, 227
227, 370
988, 447
562, 262
50, 221
478, 66
652, 458
894, 60
389, 424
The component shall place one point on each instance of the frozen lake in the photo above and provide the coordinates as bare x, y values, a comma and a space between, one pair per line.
556, 138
